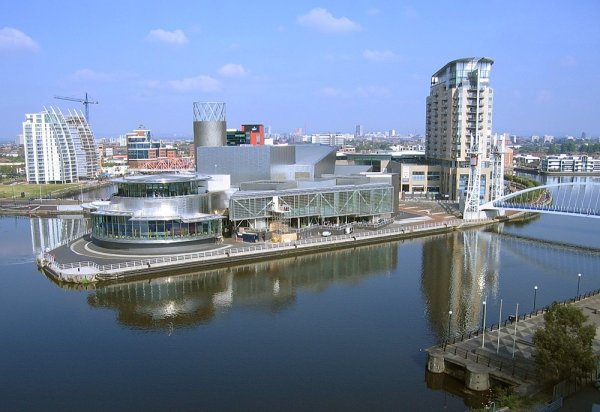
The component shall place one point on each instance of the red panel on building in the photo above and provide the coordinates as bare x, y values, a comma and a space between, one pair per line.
257, 133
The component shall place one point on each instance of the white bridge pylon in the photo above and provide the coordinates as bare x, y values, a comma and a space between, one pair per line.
567, 199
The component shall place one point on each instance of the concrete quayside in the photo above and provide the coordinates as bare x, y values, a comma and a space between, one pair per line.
229, 252
80, 261
504, 353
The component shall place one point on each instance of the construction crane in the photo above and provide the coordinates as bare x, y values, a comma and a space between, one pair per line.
85, 102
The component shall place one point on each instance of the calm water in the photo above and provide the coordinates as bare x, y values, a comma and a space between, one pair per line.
340, 330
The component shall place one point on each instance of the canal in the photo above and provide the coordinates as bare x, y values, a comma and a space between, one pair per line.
338, 330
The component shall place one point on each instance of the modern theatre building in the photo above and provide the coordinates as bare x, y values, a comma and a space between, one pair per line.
156, 209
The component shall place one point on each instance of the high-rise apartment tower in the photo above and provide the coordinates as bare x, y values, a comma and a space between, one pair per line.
58, 148
459, 126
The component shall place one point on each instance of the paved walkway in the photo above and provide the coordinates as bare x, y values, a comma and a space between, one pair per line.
583, 400
82, 249
512, 356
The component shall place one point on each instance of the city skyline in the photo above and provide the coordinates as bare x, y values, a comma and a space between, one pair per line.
324, 66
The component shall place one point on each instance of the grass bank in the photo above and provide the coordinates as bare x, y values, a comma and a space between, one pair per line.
35, 191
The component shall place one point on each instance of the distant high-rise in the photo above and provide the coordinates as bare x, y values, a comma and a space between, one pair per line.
459, 123
359, 131
58, 148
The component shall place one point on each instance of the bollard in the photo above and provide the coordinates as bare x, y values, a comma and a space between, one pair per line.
435, 361
477, 378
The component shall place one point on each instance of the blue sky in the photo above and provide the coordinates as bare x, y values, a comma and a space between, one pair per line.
322, 66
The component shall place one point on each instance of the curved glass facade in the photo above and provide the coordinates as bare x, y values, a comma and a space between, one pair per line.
157, 209
125, 229
157, 189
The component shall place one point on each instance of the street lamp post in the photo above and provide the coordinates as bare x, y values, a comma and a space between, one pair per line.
535, 288
578, 281
499, 323
483, 328
449, 321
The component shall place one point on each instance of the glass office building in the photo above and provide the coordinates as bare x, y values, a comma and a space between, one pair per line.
157, 209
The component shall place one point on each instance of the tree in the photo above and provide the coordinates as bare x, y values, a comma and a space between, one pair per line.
564, 345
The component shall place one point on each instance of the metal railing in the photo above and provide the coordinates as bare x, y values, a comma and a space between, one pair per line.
496, 326
508, 367
70, 239
230, 252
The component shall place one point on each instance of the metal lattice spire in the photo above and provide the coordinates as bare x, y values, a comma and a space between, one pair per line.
497, 167
209, 111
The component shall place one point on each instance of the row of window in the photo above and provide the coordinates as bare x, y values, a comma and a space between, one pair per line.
120, 227
158, 189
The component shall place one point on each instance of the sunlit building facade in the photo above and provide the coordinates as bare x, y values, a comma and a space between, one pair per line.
58, 148
459, 110
156, 209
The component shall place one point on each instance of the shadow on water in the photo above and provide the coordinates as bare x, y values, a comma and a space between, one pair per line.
182, 299
455, 387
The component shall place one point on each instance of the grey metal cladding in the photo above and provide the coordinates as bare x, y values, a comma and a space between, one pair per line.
213, 133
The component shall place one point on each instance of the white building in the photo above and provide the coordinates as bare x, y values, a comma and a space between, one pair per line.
570, 164
58, 148
331, 139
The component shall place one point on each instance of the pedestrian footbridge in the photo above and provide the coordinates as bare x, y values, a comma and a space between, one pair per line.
571, 199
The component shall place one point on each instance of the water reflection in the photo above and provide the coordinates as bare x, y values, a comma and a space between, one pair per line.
185, 299
459, 272
104, 192
49, 233
454, 386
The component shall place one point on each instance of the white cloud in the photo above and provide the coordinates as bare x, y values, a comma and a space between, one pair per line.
200, 83
322, 20
333, 92
232, 70
89, 74
380, 55
372, 91
15, 40
176, 37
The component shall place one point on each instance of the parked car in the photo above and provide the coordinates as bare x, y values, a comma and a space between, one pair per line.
326, 233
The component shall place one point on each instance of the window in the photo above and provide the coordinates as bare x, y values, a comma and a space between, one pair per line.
418, 176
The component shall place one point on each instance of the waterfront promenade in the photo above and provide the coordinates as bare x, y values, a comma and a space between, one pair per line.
506, 351
82, 261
